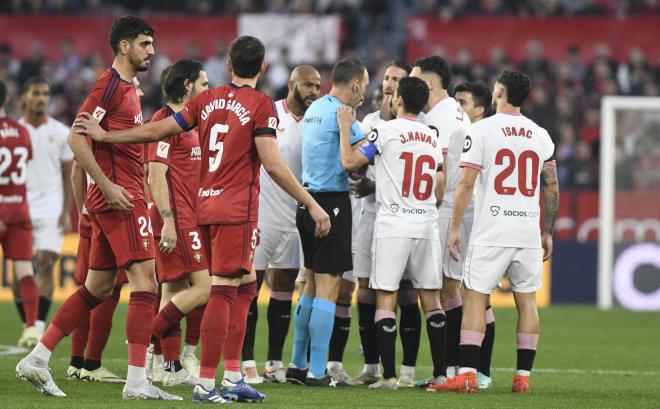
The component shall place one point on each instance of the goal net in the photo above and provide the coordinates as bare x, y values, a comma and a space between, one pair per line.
629, 239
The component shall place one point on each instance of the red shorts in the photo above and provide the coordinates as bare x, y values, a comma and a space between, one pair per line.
120, 238
82, 264
16, 241
188, 256
230, 247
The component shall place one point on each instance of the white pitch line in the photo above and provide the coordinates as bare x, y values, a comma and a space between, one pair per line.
7, 350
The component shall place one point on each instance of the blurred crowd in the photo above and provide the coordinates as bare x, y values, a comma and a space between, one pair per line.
565, 98
447, 9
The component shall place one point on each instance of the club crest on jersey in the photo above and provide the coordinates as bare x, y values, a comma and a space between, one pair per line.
163, 149
98, 114
467, 144
372, 136
145, 244
198, 257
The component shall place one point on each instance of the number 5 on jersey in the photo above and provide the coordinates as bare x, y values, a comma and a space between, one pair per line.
216, 146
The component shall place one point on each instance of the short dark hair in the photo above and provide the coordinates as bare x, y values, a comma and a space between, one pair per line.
404, 65
128, 28
414, 92
346, 70
246, 54
174, 77
479, 91
517, 86
438, 66
3, 94
34, 80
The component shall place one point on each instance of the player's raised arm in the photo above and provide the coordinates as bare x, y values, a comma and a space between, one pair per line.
350, 159
85, 124
551, 203
269, 155
116, 196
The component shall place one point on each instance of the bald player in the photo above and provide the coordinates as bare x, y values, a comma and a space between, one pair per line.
279, 246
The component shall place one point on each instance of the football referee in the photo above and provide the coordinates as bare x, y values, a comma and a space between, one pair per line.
326, 258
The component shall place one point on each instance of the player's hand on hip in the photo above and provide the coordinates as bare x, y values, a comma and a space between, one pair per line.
167, 236
454, 244
117, 197
64, 222
85, 124
345, 116
546, 242
321, 219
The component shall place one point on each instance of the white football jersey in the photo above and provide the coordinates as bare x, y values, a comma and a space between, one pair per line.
45, 187
509, 150
452, 123
277, 210
407, 156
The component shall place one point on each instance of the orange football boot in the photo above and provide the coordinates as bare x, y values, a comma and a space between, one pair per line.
520, 384
464, 383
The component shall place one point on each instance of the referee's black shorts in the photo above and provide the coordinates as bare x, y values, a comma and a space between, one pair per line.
330, 254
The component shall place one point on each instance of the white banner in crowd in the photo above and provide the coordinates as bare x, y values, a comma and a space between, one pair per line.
308, 38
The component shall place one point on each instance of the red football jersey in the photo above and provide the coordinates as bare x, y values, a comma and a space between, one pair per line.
114, 103
183, 156
228, 118
15, 152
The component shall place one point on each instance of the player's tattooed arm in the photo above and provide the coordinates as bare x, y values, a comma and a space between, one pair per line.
152, 131
551, 199
551, 205
116, 196
351, 159
160, 193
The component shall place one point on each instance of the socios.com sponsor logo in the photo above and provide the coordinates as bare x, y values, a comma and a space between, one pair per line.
497, 211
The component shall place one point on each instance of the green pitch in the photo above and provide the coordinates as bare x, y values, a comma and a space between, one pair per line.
586, 359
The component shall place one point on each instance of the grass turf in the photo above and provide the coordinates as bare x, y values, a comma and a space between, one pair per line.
587, 359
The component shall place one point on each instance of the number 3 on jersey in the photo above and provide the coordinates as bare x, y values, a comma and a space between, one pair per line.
216, 146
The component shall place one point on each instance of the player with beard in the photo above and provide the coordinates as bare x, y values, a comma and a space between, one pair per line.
278, 251
181, 265
121, 237
236, 127
89, 339
474, 98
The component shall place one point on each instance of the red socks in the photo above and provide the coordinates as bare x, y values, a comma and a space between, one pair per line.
193, 322
100, 324
170, 343
68, 316
237, 324
29, 292
79, 337
168, 317
139, 322
214, 328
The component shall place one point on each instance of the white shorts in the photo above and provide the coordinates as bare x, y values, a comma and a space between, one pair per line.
47, 235
453, 268
394, 255
485, 266
362, 245
277, 249
348, 275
